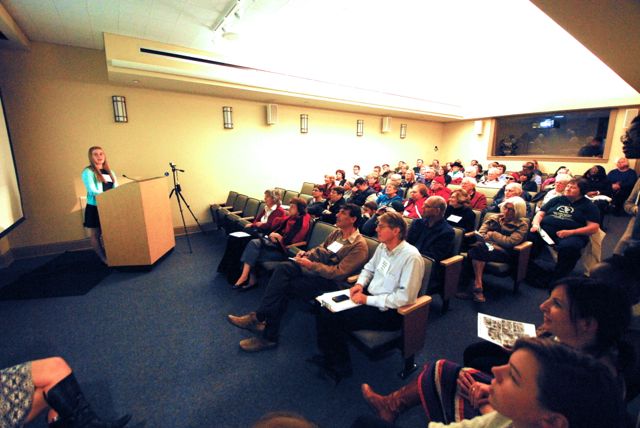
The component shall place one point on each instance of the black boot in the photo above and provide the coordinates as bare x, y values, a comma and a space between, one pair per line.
67, 399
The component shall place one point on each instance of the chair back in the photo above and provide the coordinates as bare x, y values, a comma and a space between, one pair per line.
307, 187
251, 208
457, 241
288, 195
321, 230
305, 197
372, 244
240, 202
428, 267
281, 190
231, 197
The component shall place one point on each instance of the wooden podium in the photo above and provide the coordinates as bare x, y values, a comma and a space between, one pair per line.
136, 223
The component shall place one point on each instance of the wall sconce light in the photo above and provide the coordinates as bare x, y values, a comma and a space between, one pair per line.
227, 117
119, 109
478, 127
360, 128
304, 123
403, 130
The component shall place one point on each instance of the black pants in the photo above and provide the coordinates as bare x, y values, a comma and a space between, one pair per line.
485, 355
333, 329
287, 281
569, 251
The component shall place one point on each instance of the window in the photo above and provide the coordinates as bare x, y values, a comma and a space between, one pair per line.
574, 134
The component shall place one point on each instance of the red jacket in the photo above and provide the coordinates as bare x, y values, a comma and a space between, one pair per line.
291, 230
445, 192
268, 226
413, 209
478, 201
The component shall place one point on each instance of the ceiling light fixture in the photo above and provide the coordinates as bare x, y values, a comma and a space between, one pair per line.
227, 20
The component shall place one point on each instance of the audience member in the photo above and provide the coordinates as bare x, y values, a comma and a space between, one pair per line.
492, 179
568, 220
31, 387
312, 273
622, 180
391, 279
368, 211
340, 177
536, 175
458, 213
427, 177
496, 238
550, 180
348, 192
390, 196
418, 167
317, 203
456, 173
438, 188
409, 179
598, 189
363, 191
329, 183
356, 173
525, 177
386, 170
372, 180
283, 420
272, 210
333, 205
443, 171
286, 231
413, 205
431, 234
477, 201
557, 189
509, 191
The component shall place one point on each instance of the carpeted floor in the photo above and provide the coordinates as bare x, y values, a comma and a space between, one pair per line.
158, 345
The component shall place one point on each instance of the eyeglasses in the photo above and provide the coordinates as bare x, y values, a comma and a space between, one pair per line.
509, 178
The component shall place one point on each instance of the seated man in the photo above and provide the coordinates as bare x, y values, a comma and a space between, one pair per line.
427, 175
313, 272
492, 179
391, 279
317, 203
560, 183
622, 181
333, 205
569, 220
362, 192
431, 234
478, 200
510, 190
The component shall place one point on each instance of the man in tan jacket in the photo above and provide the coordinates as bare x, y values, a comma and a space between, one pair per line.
310, 274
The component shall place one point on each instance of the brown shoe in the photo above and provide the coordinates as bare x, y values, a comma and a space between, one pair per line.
247, 322
388, 407
256, 344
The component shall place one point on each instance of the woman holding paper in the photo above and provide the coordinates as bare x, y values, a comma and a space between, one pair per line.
578, 313
497, 237
458, 213
98, 177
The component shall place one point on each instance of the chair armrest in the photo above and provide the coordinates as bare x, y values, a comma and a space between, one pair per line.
452, 270
523, 246
523, 251
250, 218
297, 244
352, 279
469, 235
293, 250
235, 212
419, 303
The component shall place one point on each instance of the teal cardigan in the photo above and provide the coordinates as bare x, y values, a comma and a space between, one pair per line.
93, 185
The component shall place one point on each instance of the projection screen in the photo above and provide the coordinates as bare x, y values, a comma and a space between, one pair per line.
11, 213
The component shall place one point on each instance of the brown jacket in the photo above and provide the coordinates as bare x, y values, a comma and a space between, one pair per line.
510, 233
349, 260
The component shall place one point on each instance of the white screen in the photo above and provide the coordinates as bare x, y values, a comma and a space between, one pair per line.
10, 201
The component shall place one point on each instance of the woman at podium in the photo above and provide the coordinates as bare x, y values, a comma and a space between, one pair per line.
98, 177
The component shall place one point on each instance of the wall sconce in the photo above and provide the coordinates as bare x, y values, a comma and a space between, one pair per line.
119, 109
227, 117
360, 128
478, 127
304, 123
403, 130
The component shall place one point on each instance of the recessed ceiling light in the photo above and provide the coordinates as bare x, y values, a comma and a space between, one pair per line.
230, 35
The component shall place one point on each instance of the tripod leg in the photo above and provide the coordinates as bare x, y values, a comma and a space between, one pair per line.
192, 214
184, 224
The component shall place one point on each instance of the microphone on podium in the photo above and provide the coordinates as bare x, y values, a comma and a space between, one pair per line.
133, 179
166, 174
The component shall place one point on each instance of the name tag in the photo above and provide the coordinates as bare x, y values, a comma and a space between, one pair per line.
454, 218
335, 247
384, 266
107, 178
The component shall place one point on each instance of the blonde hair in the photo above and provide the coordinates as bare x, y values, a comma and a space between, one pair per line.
519, 205
105, 165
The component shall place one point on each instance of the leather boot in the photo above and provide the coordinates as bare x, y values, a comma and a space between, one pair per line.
67, 400
388, 407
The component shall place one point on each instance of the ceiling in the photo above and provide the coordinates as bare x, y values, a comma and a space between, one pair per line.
476, 58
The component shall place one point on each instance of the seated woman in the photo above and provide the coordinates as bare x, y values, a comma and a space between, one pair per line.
286, 230
497, 237
340, 177
409, 179
458, 213
263, 222
417, 196
526, 179
552, 179
368, 211
598, 185
374, 183
578, 314
29, 388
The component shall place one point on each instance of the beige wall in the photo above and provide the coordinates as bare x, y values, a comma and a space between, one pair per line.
58, 102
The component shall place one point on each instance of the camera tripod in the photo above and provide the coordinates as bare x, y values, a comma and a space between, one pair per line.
177, 191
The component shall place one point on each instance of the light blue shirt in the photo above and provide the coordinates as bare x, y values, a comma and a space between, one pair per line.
393, 277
